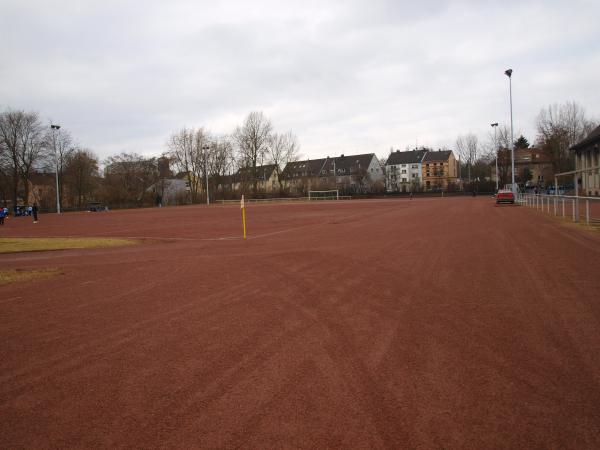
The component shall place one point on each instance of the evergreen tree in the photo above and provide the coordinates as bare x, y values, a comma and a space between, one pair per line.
522, 142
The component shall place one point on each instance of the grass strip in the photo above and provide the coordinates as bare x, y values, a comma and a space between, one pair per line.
17, 245
20, 275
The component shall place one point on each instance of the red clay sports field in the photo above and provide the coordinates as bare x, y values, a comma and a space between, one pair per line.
431, 323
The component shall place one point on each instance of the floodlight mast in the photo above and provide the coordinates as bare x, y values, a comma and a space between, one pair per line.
206, 148
508, 73
55, 128
495, 126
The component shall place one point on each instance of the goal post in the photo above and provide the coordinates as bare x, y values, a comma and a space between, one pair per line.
332, 194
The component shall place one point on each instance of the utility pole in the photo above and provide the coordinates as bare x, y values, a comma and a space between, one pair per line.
495, 126
55, 128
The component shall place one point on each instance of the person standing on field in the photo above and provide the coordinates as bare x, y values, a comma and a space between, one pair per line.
2, 216
34, 211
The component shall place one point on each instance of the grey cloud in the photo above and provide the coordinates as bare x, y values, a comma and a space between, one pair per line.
351, 75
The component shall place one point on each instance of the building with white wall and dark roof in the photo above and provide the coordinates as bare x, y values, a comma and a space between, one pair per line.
403, 171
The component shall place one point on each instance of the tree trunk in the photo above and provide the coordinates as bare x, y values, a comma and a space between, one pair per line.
15, 186
26, 188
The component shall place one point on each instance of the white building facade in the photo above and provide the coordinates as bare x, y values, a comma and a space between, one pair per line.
403, 171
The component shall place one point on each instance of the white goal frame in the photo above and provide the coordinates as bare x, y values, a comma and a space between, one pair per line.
334, 194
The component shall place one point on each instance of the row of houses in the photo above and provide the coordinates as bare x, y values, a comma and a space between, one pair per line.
420, 170
350, 174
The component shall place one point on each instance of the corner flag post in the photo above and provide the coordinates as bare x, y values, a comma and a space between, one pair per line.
243, 215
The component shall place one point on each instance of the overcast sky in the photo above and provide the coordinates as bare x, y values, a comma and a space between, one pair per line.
347, 76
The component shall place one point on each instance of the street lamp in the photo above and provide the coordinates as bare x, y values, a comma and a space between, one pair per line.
55, 128
495, 126
508, 73
205, 149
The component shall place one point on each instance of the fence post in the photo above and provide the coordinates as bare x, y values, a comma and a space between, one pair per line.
574, 210
543, 204
563, 205
587, 212
554, 205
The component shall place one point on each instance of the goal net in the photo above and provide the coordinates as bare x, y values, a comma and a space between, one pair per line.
324, 195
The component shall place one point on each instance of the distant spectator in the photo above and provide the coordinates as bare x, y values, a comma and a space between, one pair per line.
34, 211
2, 215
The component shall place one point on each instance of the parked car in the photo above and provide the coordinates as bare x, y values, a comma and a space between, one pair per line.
505, 196
551, 190
96, 207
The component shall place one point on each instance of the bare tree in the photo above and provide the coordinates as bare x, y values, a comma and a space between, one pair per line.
467, 147
222, 160
204, 149
32, 151
559, 127
59, 147
128, 177
10, 125
282, 149
81, 175
252, 140
183, 147
22, 142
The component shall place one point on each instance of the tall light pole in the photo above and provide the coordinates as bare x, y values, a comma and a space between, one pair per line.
55, 128
508, 73
495, 126
206, 148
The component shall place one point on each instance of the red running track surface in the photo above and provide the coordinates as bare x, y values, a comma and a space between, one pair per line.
383, 324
